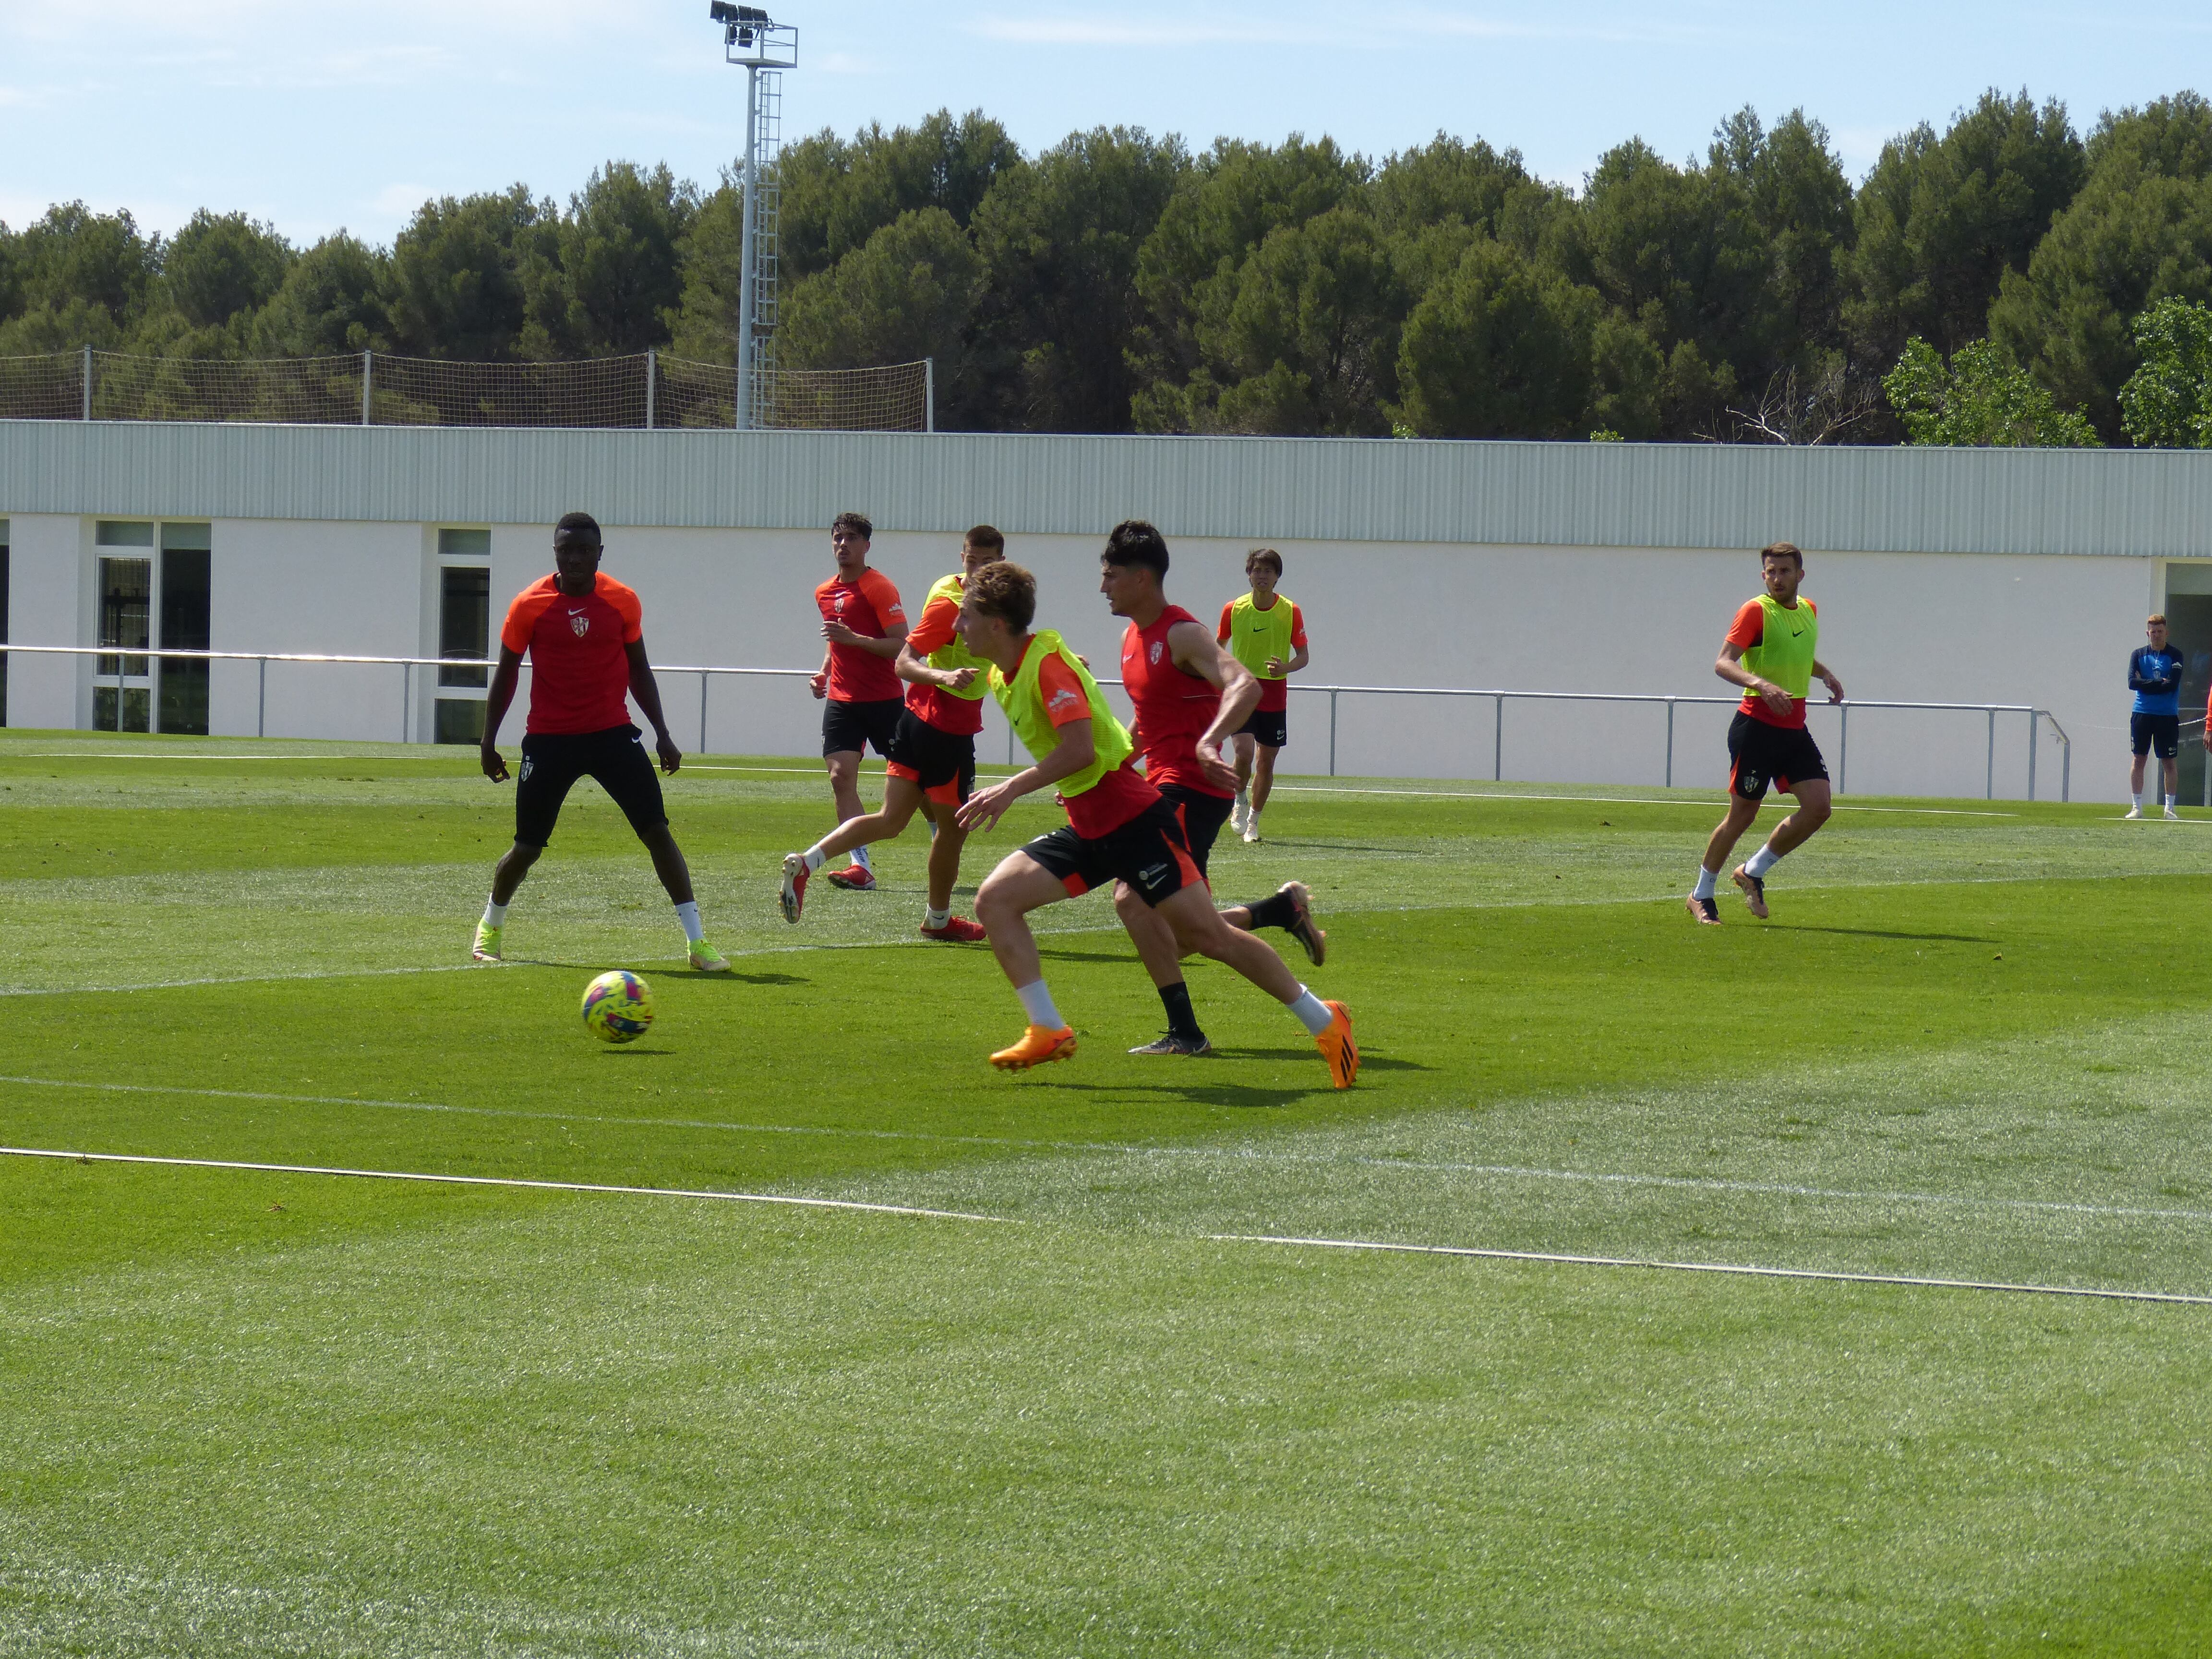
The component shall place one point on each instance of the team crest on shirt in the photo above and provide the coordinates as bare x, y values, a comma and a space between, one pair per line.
582, 624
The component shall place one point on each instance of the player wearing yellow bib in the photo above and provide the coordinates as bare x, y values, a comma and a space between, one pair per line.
930, 766
1268, 633
1118, 829
1771, 652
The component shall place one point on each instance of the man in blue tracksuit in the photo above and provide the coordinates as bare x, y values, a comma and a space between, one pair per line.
2154, 675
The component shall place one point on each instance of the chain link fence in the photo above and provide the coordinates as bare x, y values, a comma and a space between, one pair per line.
648, 389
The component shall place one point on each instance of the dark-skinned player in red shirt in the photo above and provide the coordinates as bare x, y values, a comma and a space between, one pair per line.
1190, 697
584, 633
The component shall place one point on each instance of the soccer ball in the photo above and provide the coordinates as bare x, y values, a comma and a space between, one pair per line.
618, 1007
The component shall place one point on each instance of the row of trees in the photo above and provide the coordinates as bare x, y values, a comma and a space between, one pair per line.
1117, 282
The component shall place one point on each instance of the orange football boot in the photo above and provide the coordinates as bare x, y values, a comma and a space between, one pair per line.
1338, 1047
1040, 1046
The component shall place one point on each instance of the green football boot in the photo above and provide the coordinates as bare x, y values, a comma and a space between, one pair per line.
487, 946
707, 959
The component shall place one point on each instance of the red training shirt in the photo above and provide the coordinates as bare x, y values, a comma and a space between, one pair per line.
868, 607
1748, 628
959, 717
579, 670
1122, 793
1174, 707
1274, 694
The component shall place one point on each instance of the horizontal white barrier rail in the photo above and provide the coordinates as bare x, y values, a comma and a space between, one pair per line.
1499, 697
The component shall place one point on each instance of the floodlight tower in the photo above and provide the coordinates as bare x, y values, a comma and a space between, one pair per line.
764, 48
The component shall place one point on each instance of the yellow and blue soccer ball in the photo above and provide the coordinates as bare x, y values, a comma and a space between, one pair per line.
618, 1007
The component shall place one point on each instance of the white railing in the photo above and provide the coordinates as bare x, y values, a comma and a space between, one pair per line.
1499, 698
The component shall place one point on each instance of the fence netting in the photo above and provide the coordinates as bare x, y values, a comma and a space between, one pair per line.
647, 389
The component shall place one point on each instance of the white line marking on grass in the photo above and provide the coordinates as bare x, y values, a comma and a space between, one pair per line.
1229, 1154
1715, 1268
496, 1181
236, 979
1617, 800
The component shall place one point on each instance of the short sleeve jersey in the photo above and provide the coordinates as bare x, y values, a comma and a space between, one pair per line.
868, 606
578, 665
1122, 793
1173, 708
960, 717
1275, 694
1747, 630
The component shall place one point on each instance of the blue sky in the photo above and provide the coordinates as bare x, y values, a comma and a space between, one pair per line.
315, 117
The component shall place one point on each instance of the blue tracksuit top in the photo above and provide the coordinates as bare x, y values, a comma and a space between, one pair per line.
2155, 678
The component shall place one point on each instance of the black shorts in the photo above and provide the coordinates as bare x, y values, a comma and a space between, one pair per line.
1269, 728
553, 761
2163, 729
1149, 852
1763, 755
943, 765
1203, 815
847, 728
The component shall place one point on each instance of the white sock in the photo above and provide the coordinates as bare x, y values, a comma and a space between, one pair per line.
2170, 800
934, 920
860, 858
688, 914
495, 914
2138, 801
815, 857
1760, 862
1313, 1013
1708, 881
1036, 1003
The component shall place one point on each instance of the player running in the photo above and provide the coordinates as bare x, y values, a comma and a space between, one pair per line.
1769, 653
931, 768
1118, 829
2154, 675
862, 621
1189, 694
584, 634
1268, 633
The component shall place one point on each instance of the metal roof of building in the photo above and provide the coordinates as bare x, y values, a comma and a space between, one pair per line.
2138, 503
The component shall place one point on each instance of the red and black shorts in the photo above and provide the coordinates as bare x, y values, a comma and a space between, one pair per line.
943, 765
1777, 757
847, 728
1149, 852
1203, 815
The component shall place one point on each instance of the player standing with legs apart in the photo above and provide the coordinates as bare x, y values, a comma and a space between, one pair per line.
1769, 652
1118, 829
933, 753
1189, 694
2154, 675
1268, 633
584, 633
866, 627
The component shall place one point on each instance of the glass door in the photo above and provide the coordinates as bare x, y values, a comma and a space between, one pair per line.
123, 689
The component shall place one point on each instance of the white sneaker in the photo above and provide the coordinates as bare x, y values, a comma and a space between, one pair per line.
1241, 813
2132, 812
1251, 828
2175, 816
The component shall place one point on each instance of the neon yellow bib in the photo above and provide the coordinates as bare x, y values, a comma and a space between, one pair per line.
1255, 635
1787, 646
952, 656
1024, 701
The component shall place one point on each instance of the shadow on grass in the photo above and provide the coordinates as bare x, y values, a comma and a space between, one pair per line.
1878, 932
1368, 1062
1242, 1097
637, 1053
686, 972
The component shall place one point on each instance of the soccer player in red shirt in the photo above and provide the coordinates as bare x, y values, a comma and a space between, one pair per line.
1190, 696
1118, 829
1772, 651
584, 633
866, 627
932, 769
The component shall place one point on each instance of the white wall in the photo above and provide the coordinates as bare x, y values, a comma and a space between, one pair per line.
2051, 630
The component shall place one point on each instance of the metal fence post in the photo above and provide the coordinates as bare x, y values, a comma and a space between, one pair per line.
1332, 732
652, 376
1990, 788
703, 677
1843, 753
2034, 722
87, 389
1670, 743
1497, 742
929, 394
261, 704
406, 698
368, 374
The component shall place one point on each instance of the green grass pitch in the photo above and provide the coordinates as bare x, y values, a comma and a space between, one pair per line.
257, 1412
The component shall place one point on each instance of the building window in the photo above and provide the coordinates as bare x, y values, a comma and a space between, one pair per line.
129, 693
463, 633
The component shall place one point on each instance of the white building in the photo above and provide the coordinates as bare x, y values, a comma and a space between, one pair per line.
1968, 576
